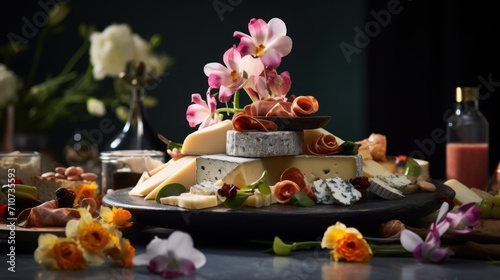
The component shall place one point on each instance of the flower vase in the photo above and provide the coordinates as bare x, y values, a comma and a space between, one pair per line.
137, 133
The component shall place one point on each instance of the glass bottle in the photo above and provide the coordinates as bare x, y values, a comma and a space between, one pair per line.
467, 141
137, 133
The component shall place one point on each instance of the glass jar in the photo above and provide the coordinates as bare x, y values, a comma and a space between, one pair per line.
467, 141
122, 169
22, 165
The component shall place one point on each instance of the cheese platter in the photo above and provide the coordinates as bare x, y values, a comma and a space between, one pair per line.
280, 219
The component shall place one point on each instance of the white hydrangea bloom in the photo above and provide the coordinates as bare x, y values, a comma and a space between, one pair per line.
8, 86
111, 49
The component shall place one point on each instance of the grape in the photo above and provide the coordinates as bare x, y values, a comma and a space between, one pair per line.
495, 212
496, 200
487, 202
485, 210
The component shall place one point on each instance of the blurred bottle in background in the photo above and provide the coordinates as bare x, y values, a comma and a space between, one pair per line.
467, 141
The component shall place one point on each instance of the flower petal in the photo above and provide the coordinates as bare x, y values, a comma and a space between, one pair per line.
277, 28
181, 244
282, 44
271, 58
214, 66
442, 211
198, 258
410, 240
258, 30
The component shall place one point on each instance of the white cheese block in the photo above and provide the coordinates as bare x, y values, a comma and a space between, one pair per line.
204, 188
258, 200
244, 171
177, 171
335, 191
197, 201
396, 181
325, 167
209, 140
383, 190
264, 144
372, 168
213, 168
463, 194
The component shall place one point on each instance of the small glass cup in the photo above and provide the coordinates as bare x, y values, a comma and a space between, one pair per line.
122, 169
23, 165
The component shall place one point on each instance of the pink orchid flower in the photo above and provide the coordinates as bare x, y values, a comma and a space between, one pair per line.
268, 41
428, 251
467, 215
234, 75
201, 111
279, 84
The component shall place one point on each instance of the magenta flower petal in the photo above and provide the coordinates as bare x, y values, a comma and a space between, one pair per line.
271, 59
467, 215
259, 30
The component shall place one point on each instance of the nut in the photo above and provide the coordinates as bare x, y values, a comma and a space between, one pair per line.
61, 170
71, 171
426, 186
73, 178
88, 176
60, 176
48, 175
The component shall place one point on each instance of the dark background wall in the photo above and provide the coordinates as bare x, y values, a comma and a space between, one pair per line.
398, 81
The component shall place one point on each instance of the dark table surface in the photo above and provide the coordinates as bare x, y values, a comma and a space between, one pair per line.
231, 258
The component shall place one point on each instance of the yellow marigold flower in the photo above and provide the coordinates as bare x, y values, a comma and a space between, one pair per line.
68, 255
124, 253
86, 191
335, 233
94, 237
58, 253
352, 248
116, 216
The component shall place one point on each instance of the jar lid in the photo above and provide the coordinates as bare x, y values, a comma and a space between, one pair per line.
467, 94
131, 153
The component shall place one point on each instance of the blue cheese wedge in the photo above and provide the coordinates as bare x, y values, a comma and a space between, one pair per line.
335, 191
396, 181
384, 190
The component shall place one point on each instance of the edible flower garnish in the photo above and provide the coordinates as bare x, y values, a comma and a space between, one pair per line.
233, 197
467, 215
88, 241
172, 257
250, 66
116, 216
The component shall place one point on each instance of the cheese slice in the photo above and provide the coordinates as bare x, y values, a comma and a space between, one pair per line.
258, 200
372, 168
463, 194
209, 140
325, 167
157, 169
197, 201
183, 173
174, 167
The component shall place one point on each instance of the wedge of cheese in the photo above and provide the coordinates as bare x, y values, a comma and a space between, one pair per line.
207, 141
191, 201
244, 171
372, 168
180, 171
462, 193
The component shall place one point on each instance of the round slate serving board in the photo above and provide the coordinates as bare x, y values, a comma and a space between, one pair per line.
278, 219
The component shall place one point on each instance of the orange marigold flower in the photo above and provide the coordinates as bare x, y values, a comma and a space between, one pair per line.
85, 191
116, 216
123, 252
68, 255
352, 248
94, 237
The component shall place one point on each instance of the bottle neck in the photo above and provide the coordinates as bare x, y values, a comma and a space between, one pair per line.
466, 106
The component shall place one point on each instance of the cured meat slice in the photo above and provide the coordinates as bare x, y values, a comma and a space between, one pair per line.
294, 174
305, 106
325, 144
245, 123
284, 190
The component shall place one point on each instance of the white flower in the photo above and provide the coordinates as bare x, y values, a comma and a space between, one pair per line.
96, 107
179, 244
8, 86
111, 49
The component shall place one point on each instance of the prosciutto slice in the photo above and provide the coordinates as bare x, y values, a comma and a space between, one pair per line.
48, 214
244, 123
325, 144
305, 106
295, 175
284, 190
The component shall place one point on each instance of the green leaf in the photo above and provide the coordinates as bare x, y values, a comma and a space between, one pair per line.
302, 200
236, 202
173, 189
280, 248
349, 148
260, 184
412, 168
